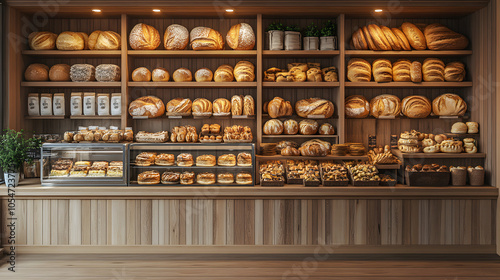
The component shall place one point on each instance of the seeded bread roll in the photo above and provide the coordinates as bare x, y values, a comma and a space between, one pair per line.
414, 36
416, 106
144, 37
454, 72
224, 73
203, 75
160, 75
391, 38
241, 37
141, 74
359, 70
107, 73
378, 38
182, 75
60, 72
449, 104
82, 73
104, 40
356, 106
176, 37
382, 70
416, 72
204, 38
433, 70
37, 72
403, 41
385, 105
401, 71
42, 40
440, 37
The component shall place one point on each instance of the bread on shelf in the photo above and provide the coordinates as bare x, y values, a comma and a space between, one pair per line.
359, 41
72, 41
403, 41
37, 72
278, 107
107, 73
206, 160
144, 37
185, 159
416, 106
160, 74
182, 75
248, 106
401, 71
378, 38
326, 129
433, 70
357, 107
290, 127
222, 107
60, 73
308, 127
104, 40
176, 37
205, 38
147, 106
203, 75
359, 70
149, 178
244, 71
237, 105
416, 72
179, 107
454, 71
165, 160
224, 73
241, 37
440, 37
42, 40
202, 107
391, 38
449, 104
273, 127
382, 70
385, 105
414, 36
314, 108
82, 73
145, 159
315, 148
141, 74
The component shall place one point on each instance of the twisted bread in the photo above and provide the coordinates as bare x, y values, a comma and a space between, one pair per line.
382, 70
401, 71
433, 70
359, 70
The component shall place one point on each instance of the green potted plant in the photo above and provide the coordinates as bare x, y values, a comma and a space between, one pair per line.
328, 39
292, 38
311, 37
14, 149
275, 32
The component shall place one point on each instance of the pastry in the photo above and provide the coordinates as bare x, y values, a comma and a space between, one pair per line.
401, 70
222, 107
244, 71
385, 105
454, 72
314, 107
359, 70
414, 36
440, 138
37, 72
308, 127
226, 160
472, 127
241, 37
205, 178
176, 37
42, 40
440, 37
403, 41
244, 159
225, 178
278, 107
203, 75
237, 105
104, 40
416, 106
71, 41
179, 107
326, 129
314, 75
160, 75
60, 73
224, 73
182, 75
187, 178
144, 37
273, 127
290, 127
165, 159
141, 74
149, 178
170, 177
214, 128
356, 106
205, 38
449, 104
205, 160
185, 159
416, 72
459, 128
284, 77
451, 146
248, 106
147, 106
382, 70
202, 107
107, 73
433, 70
145, 159
244, 178
330, 74
378, 38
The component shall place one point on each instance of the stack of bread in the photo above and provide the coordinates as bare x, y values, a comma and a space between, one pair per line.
97, 134
409, 142
74, 41
238, 133
181, 134
301, 72
382, 156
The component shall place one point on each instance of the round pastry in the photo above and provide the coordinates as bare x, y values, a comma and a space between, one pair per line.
185, 159
433, 70
176, 37
244, 178
278, 107
401, 70
170, 177
359, 70
308, 127
202, 107
60, 72
160, 75
71, 41
227, 160
416, 72
273, 127
237, 105
248, 106
449, 104
472, 127
225, 178
182, 75
414, 35
149, 106
205, 178
149, 178
382, 70
290, 127
203, 75
326, 129
205, 160
222, 107
385, 105
454, 72
179, 107
451, 146
224, 73
204, 38
356, 106
141, 74
416, 106
459, 128
37, 72
144, 37
42, 40
312, 107
165, 159
241, 37
104, 40
244, 159
187, 178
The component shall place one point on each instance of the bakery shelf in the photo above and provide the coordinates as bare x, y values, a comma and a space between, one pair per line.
266, 116
45, 117
414, 53
194, 84
72, 84
301, 53
191, 53
95, 117
300, 136
451, 118
400, 154
408, 85
76, 54
329, 157
189, 167
300, 84
388, 166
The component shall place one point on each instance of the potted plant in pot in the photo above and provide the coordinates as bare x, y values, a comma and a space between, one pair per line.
311, 37
275, 32
328, 39
14, 149
292, 38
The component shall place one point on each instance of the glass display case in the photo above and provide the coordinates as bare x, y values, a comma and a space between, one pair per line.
84, 164
192, 164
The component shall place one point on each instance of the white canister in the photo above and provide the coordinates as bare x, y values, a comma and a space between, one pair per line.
103, 104
275, 38
33, 104
58, 106
46, 104
89, 103
76, 104
292, 40
116, 104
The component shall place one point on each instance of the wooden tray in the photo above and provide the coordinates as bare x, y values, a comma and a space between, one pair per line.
389, 183
329, 183
238, 141
272, 183
294, 181
312, 183
427, 178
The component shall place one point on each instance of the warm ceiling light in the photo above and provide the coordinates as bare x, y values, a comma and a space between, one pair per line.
229, 10
156, 10
96, 10
378, 10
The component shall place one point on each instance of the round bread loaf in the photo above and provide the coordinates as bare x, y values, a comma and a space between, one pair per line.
312, 107
433, 70
403, 41
107, 73
359, 70
459, 127
315, 148
182, 75
205, 38
359, 40
454, 72
144, 37
382, 70
42, 40
71, 41
449, 104
273, 127
149, 106
356, 106
222, 106
440, 37
82, 73
201, 106
37, 72
416, 72
326, 129
378, 38
141, 74
244, 71
248, 106
414, 36
179, 106
104, 40
401, 70
308, 127
224, 73
416, 106
391, 38
237, 105
472, 127
291, 127
160, 75
385, 105
60, 72
278, 107
176, 37
241, 37
203, 75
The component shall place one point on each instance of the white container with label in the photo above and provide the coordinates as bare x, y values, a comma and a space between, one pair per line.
89, 103
116, 104
103, 104
76, 104
58, 105
46, 104
33, 104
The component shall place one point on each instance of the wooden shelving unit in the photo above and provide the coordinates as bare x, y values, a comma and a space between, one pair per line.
72, 84
299, 54
399, 154
45, 117
413, 53
190, 53
73, 54
408, 85
193, 84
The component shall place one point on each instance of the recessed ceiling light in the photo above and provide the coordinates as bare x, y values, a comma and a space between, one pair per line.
156, 10
96, 10
229, 10
378, 10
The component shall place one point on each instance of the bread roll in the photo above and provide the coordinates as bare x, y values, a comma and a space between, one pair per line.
416, 106
71, 41
330, 74
273, 127
290, 127
149, 106
378, 38
60, 73
359, 70
203, 75
385, 105
241, 37
433, 70
144, 37
107, 73
179, 106
357, 107
382, 70
440, 37
326, 129
472, 127
160, 75
454, 72
237, 105
104, 40
308, 127
369, 40
82, 73
401, 71
182, 75
391, 38
314, 107
359, 40
205, 38
278, 107
284, 77
449, 104
459, 128
244, 71
222, 106
224, 73
314, 75
141, 74
414, 36
37, 72
202, 106
42, 40
176, 37
403, 41
248, 106
298, 65
416, 72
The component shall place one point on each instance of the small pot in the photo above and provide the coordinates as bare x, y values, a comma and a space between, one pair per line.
11, 179
311, 43
328, 43
275, 40
292, 40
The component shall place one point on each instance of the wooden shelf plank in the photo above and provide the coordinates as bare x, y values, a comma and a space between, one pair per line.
76, 54
71, 84
266, 116
301, 85
408, 85
388, 166
194, 84
329, 157
399, 154
300, 136
95, 117
414, 53
301, 53
191, 53
45, 117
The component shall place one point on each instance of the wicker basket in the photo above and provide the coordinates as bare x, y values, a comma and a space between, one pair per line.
458, 177
427, 178
476, 177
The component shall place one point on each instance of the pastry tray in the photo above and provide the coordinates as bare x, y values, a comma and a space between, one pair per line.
311, 183
280, 183
427, 178
209, 141
238, 141
391, 183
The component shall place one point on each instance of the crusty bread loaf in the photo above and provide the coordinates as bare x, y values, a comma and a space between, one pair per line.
205, 38
149, 106
308, 127
359, 70
356, 106
224, 73
403, 41
449, 104
359, 40
141, 74
202, 106
107, 73
182, 75
416, 72
290, 127
203, 75
416, 106
378, 38
440, 37
391, 38
104, 40
244, 71
71, 41
326, 129
385, 105
454, 71
37, 72
248, 106
315, 148
414, 36
179, 106
241, 37
401, 71
160, 74
222, 106
433, 70
278, 107
42, 40
60, 72
176, 37
82, 73
382, 70
237, 105
144, 37
314, 107
273, 127
369, 41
